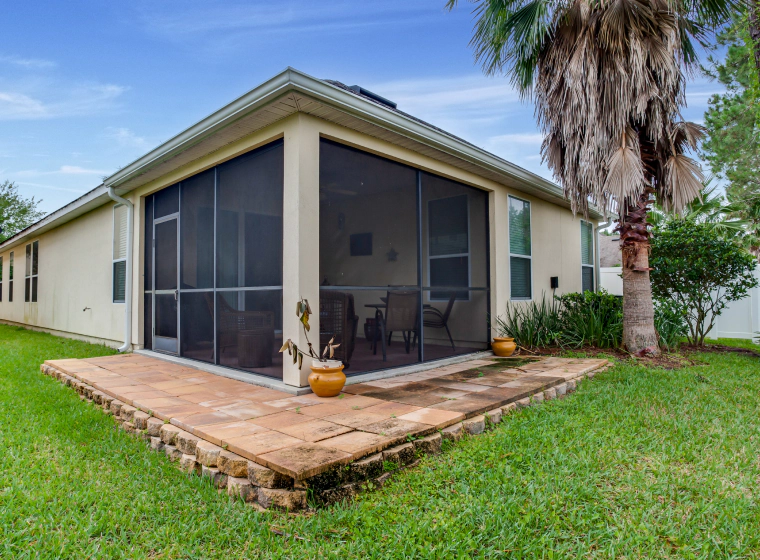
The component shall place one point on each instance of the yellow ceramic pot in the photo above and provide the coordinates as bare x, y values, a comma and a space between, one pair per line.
503, 346
327, 380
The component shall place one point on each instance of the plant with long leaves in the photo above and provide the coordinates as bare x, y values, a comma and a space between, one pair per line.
303, 311
607, 78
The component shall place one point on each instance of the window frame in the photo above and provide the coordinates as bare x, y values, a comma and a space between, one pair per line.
468, 254
33, 250
114, 260
1, 278
591, 265
516, 255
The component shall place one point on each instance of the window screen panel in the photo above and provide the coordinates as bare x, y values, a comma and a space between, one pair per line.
34, 289
519, 273
519, 227
587, 244
28, 260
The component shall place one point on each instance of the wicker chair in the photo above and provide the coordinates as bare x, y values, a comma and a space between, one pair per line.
338, 319
231, 321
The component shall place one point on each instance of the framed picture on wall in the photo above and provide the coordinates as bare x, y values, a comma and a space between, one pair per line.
361, 245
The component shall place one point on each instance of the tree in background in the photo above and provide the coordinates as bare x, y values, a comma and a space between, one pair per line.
16, 212
733, 144
700, 270
607, 77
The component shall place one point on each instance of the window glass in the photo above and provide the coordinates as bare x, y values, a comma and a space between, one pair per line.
587, 243
35, 257
119, 232
587, 276
10, 277
520, 277
119, 281
587, 256
519, 226
1, 278
520, 249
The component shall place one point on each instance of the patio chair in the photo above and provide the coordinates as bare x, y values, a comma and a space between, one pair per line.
338, 319
401, 314
231, 321
433, 318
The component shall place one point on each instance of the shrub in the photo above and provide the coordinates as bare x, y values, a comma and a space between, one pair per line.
670, 323
532, 324
699, 270
591, 319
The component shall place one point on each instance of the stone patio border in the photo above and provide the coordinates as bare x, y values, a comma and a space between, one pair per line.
258, 484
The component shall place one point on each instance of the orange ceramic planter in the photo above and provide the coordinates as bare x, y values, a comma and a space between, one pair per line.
503, 346
326, 381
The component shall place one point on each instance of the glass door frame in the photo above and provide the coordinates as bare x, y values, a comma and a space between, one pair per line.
158, 347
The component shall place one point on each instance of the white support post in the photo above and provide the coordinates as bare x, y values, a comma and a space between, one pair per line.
300, 239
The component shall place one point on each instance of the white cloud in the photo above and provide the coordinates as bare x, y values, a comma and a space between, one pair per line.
125, 137
36, 63
189, 19
63, 170
523, 139
55, 100
15, 105
51, 187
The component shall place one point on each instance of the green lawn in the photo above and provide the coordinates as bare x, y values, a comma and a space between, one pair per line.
639, 463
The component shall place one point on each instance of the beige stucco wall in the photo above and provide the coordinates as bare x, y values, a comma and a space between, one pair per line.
75, 259
75, 262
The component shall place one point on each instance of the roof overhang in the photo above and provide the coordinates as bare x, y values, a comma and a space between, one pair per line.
289, 92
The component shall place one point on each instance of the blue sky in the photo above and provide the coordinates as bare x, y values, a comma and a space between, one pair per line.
87, 87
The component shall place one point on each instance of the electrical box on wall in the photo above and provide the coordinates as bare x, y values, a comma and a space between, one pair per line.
554, 281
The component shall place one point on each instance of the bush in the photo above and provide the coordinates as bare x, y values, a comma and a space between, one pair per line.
591, 319
670, 323
700, 271
587, 319
532, 324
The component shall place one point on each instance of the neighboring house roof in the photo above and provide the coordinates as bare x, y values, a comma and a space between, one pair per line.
609, 251
287, 93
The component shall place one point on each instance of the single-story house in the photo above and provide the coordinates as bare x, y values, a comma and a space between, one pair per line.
403, 238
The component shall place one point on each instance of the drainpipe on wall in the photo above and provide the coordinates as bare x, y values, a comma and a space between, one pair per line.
128, 283
597, 267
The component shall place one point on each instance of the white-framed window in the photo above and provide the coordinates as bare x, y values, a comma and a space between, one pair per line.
119, 264
520, 252
1, 279
449, 245
10, 277
32, 267
587, 256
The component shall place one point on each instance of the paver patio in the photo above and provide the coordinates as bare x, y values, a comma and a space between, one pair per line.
302, 436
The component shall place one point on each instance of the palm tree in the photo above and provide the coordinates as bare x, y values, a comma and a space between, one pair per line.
607, 78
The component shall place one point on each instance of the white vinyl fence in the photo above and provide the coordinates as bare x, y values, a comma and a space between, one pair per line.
740, 319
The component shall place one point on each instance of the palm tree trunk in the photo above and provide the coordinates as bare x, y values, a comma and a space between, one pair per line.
639, 334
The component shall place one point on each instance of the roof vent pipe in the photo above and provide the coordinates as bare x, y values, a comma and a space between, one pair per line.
128, 281
359, 90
